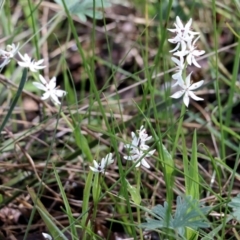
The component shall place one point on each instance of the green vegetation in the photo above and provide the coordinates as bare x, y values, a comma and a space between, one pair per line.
101, 145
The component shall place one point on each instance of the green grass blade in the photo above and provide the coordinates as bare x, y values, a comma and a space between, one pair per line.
14, 102
67, 206
54, 231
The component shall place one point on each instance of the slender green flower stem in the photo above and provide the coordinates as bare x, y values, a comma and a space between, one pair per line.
96, 188
138, 209
183, 110
67, 121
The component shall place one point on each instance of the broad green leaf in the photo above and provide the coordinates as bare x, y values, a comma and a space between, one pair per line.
189, 214
235, 205
84, 8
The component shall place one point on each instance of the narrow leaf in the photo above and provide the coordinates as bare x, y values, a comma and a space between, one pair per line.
14, 102
51, 226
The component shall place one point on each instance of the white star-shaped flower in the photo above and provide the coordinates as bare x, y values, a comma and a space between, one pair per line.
183, 33
191, 52
138, 149
50, 89
33, 65
8, 54
188, 90
101, 167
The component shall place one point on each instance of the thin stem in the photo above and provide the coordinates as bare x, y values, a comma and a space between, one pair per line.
138, 209
180, 125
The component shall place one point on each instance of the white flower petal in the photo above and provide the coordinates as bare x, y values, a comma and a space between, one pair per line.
129, 158
39, 62
178, 94
175, 84
151, 152
35, 68
39, 86
196, 85
198, 52
179, 22
60, 93
194, 62
171, 30
148, 138
21, 56
144, 147
193, 96
47, 236
132, 134
188, 80
189, 59
55, 99
177, 75
42, 79
52, 83
45, 95
145, 163
175, 60
94, 169
32, 68
176, 48
186, 100
109, 159
188, 25
138, 164
95, 164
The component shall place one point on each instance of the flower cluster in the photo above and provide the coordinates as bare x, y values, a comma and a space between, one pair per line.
48, 87
185, 54
138, 149
138, 152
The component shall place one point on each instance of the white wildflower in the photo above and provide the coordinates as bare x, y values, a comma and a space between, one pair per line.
183, 33
101, 167
188, 90
138, 149
190, 52
193, 52
33, 65
8, 54
50, 89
